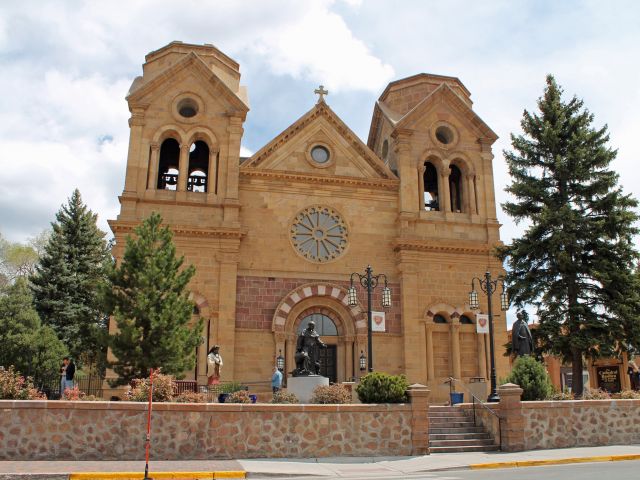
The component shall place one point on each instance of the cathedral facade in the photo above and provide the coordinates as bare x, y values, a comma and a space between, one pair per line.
276, 237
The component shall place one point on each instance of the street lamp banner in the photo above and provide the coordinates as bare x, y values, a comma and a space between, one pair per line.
482, 323
377, 322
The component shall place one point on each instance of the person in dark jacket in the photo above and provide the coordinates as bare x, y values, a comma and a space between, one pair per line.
69, 372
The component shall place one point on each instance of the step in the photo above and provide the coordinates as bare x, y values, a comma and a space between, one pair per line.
445, 430
484, 448
461, 443
445, 409
460, 436
460, 418
446, 414
459, 424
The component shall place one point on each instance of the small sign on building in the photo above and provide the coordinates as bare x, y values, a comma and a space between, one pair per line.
377, 322
482, 323
609, 378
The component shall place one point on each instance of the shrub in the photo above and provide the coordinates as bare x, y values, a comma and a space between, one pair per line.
14, 386
565, 394
595, 394
190, 397
73, 394
163, 386
532, 377
330, 394
627, 395
230, 387
378, 387
240, 396
284, 397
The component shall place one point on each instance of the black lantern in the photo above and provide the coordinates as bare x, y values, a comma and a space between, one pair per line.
280, 361
363, 361
369, 281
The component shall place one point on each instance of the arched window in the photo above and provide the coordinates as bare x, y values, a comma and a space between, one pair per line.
439, 319
324, 325
465, 320
168, 165
430, 178
198, 167
455, 188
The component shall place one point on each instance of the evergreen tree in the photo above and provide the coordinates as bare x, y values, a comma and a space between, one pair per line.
575, 261
68, 279
31, 347
149, 301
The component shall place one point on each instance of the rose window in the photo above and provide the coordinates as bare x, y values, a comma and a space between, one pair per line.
319, 234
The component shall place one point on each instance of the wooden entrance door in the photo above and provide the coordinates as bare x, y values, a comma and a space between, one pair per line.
328, 360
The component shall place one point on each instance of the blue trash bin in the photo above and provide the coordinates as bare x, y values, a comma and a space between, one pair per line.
456, 397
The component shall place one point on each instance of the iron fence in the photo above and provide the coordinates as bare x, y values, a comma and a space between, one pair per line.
88, 384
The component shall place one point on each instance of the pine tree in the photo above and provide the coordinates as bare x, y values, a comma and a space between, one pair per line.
68, 279
149, 302
31, 348
575, 261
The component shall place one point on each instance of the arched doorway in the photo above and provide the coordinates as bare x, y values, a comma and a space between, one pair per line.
328, 332
345, 331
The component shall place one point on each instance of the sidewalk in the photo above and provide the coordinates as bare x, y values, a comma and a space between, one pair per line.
327, 467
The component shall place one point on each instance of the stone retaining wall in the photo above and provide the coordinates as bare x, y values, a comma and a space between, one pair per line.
581, 423
58, 430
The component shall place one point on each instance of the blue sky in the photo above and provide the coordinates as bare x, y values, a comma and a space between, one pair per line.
66, 68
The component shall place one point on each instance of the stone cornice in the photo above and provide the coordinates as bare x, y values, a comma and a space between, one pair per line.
386, 184
417, 245
127, 227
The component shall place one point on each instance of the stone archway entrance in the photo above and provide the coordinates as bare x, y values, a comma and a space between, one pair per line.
344, 330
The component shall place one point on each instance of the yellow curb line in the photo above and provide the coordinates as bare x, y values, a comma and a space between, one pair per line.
557, 461
157, 475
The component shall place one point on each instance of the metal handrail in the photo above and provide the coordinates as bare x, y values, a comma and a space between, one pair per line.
475, 400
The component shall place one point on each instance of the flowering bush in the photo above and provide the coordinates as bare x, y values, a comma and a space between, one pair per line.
73, 394
627, 395
190, 397
562, 395
330, 394
241, 396
284, 397
595, 394
163, 386
14, 386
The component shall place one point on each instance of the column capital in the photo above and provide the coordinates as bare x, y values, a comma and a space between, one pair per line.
154, 147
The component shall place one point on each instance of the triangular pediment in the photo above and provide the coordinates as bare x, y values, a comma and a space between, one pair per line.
291, 150
444, 95
143, 91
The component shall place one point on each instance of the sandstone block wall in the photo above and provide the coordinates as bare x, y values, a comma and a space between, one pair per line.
43, 430
580, 423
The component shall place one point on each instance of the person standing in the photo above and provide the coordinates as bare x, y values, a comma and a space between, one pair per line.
276, 380
69, 373
214, 364
63, 376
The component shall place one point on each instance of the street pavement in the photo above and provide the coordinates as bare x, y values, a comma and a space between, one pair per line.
442, 465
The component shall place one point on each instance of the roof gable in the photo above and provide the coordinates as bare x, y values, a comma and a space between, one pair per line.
141, 89
320, 125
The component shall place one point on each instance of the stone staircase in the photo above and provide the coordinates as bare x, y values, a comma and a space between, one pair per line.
451, 430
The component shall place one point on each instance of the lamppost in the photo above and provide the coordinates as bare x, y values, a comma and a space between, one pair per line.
489, 286
369, 281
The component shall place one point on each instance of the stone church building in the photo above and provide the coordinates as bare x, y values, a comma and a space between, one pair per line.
275, 237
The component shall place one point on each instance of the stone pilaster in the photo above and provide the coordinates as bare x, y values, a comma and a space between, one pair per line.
183, 167
419, 398
152, 179
512, 424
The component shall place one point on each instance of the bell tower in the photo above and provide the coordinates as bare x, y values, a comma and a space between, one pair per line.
187, 111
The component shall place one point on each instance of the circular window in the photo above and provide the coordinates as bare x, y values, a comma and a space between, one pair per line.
188, 108
444, 135
320, 154
319, 234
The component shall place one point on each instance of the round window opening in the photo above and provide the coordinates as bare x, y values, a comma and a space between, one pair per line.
319, 234
444, 135
320, 154
187, 108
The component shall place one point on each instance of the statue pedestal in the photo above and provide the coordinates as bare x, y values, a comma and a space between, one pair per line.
303, 387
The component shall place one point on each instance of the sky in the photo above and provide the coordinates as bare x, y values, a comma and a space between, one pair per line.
67, 66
